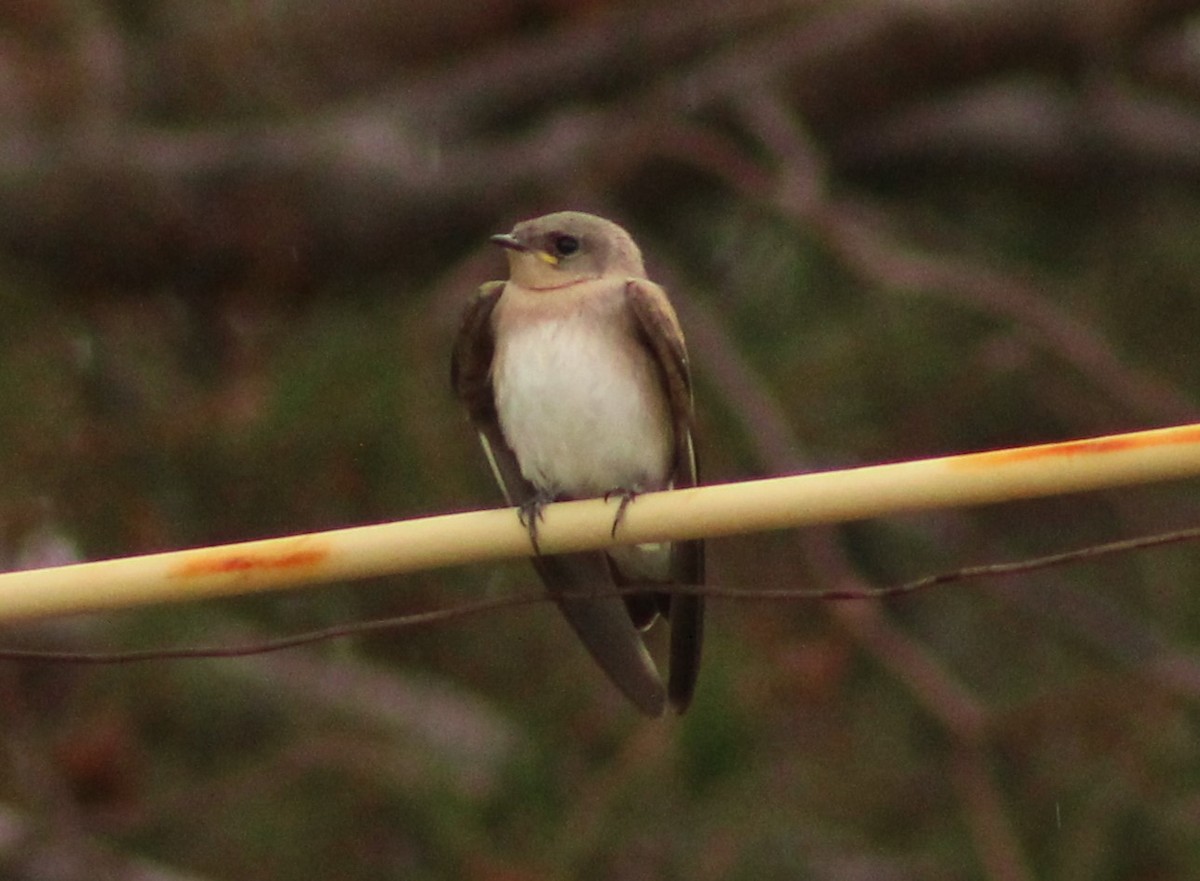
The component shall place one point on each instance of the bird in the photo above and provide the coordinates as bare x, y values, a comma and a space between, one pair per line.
575, 374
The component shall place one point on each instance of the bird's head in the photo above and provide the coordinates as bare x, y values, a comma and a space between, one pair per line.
562, 249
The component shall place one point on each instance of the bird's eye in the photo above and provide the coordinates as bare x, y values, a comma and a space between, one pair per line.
566, 245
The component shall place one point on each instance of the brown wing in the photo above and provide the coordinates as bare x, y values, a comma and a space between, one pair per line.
572, 579
471, 379
659, 331
474, 347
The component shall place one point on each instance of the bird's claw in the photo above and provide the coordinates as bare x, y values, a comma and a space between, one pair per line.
627, 497
529, 512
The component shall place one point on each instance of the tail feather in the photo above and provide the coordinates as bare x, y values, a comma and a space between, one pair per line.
687, 623
604, 626
687, 639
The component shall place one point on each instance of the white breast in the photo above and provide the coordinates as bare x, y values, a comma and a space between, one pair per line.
581, 405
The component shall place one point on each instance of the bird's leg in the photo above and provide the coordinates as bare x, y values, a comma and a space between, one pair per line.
530, 512
627, 497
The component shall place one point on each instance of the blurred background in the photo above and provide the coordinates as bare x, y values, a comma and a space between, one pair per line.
235, 239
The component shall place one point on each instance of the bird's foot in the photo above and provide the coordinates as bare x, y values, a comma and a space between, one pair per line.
530, 512
627, 497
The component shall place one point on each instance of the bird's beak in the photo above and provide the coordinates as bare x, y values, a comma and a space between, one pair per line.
512, 243
504, 240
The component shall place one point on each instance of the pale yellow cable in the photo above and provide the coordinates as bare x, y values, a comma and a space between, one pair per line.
709, 511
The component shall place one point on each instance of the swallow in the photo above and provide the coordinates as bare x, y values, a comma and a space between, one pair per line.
575, 374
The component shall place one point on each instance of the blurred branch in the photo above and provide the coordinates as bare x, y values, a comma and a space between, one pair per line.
56, 843
369, 177
94, 865
934, 687
862, 237
589, 55
996, 840
1035, 122
472, 742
